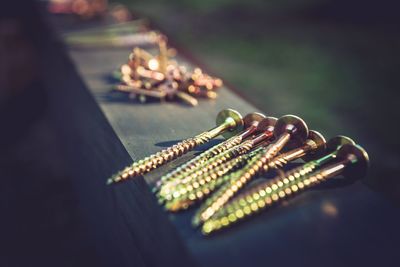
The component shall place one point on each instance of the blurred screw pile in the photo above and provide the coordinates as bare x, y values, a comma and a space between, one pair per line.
160, 76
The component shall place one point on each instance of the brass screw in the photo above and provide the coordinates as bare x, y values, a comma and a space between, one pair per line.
351, 161
196, 191
313, 146
229, 122
207, 183
289, 130
267, 128
231, 153
250, 122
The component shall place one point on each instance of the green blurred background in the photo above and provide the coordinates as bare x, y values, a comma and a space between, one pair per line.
334, 63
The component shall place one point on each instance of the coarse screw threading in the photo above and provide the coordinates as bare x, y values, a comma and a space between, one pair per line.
250, 126
227, 120
211, 164
187, 195
352, 162
288, 129
197, 161
315, 144
200, 189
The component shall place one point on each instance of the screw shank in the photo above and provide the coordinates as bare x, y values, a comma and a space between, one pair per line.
248, 131
228, 124
297, 152
280, 143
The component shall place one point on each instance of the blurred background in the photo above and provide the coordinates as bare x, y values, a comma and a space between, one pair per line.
333, 62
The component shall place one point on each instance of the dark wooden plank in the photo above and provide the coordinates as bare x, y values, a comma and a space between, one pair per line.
61, 148
331, 225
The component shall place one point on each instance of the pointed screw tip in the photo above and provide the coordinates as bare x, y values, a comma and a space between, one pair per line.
196, 222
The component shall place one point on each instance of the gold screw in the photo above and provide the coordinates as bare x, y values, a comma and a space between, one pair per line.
250, 122
350, 160
314, 146
229, 122
289, 130
182, 197
267, 128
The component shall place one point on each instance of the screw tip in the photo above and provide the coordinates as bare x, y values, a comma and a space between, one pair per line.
196, 222
110, 181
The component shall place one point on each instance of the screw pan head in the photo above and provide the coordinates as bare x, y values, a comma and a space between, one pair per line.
230, 113
267, 123
336, 142
320, 141
252, 118
298, 128
360, 161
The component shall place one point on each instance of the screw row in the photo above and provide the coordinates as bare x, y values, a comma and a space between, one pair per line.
220, 176
350, 161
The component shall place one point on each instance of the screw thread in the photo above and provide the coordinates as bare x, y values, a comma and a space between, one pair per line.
206, 184
265, 194
277, 163
195, 163
222, 158
153, 161
213, 163
167, 191
262, 162
234, 183
202, 138
187, 198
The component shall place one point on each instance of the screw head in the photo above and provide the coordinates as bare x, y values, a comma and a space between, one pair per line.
320, 141
225, 114
336, 142
359, 161
267, 123
293, 125
252, 118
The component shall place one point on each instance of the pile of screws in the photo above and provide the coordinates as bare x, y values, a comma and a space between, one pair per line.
161, 77
255, 145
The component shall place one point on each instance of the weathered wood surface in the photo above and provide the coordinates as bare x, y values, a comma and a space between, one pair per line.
330, 225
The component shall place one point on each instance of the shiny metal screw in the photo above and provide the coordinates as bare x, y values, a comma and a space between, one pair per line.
289, 130
351, 161
314, 146
250, 122
266, 126
229, 122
